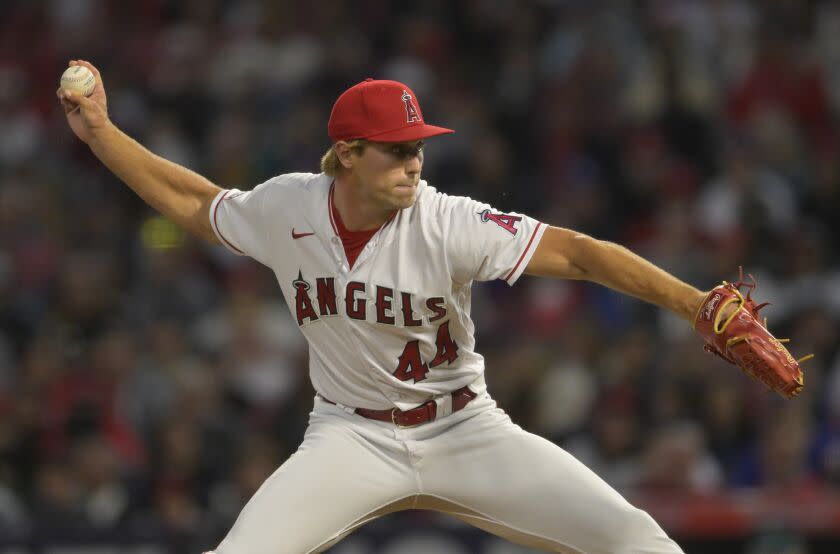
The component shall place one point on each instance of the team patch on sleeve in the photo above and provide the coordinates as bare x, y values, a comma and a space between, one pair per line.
505, 221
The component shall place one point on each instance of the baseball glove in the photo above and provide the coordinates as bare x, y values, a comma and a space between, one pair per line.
741, 338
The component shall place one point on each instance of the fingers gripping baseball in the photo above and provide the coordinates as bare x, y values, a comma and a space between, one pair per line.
85, 114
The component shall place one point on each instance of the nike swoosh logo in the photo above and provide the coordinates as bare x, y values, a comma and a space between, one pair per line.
299, 235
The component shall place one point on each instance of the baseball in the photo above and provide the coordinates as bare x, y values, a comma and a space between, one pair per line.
78, 79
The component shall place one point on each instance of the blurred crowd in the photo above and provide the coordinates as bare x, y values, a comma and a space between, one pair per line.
149, 381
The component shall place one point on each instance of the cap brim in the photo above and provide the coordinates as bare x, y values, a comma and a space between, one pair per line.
415, 132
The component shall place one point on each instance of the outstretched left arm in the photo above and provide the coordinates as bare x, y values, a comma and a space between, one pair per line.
566, 254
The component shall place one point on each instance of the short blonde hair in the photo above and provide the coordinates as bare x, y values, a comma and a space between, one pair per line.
331, 165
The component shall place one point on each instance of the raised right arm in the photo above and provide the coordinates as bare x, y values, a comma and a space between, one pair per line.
175, 191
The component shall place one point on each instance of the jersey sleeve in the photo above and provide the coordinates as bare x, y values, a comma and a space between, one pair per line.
238, 219
485, 244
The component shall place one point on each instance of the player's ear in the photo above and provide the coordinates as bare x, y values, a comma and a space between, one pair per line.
344, 153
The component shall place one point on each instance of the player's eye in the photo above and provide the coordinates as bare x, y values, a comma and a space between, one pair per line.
405, 151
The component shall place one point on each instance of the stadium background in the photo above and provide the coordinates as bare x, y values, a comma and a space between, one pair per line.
148, 383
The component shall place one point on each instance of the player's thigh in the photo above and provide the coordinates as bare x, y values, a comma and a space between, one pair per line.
523, 487
337, 480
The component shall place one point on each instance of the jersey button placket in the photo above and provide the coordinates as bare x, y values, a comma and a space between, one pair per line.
365, 253
338, 251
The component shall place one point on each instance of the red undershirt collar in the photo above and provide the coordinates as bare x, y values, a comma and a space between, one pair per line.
353, 241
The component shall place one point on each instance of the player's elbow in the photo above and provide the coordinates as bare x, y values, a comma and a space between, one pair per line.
585, 253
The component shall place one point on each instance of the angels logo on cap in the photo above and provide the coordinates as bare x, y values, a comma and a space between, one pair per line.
381, 111
410, 110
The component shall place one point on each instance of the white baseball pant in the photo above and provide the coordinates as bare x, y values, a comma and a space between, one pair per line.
474, 464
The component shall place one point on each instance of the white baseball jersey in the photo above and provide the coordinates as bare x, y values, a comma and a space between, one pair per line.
395, 329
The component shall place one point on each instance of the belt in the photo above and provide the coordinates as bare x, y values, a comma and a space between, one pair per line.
415, 416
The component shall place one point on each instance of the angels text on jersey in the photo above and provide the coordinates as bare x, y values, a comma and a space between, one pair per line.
390, 308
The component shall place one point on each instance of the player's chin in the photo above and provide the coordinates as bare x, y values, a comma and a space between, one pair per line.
404, 197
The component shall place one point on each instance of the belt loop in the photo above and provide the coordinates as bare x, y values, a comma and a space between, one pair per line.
444, 405
347, 409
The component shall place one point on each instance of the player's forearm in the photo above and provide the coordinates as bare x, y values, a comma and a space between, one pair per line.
178, 193
620, 269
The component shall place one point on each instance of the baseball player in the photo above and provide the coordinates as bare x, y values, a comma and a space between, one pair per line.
376, 266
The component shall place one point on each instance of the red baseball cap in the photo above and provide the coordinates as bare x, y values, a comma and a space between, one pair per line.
382, 111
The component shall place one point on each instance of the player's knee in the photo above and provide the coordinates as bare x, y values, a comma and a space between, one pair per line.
638, 532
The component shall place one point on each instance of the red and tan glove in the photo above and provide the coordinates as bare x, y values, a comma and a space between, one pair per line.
738, 336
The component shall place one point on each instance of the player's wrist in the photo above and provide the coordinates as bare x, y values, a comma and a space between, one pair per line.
694, 304
102, 133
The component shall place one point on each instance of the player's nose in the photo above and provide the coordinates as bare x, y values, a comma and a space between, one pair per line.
414, 164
